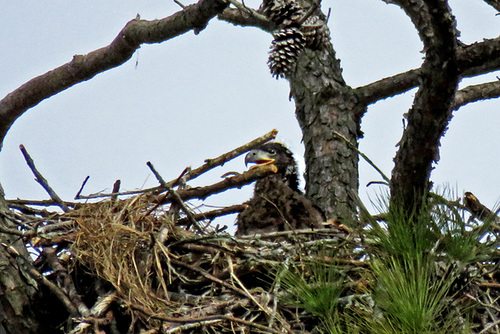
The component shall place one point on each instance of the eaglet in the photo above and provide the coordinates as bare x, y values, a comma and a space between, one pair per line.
277, 203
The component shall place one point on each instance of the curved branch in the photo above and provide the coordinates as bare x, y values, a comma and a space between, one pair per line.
85, 67
387, 87
474, 93
431, 111
472, 60
494, 3
246, 17
236, 181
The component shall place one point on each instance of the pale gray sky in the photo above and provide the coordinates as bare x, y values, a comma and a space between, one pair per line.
196, 97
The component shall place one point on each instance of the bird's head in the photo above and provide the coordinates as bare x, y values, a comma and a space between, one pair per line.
278, 155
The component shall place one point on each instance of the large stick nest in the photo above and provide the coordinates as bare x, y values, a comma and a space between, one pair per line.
144, 263
174, 279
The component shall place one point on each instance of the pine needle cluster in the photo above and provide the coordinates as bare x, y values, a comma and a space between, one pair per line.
422, 274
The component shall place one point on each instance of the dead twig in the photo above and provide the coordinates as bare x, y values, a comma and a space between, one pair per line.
63, 275
77, 196
177, 199
116, 190
190, 174
42, 181
209, 215
230, 182
221, 160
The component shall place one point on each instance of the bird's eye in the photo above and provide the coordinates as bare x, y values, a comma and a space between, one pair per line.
272, 152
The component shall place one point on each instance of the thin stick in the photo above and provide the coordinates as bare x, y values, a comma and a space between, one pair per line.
215, 213
192, 174
180, 4
230, 182
116, 190
123, 193
177, 199
43, 202
77, 196
348, 142
42, 181
221, 160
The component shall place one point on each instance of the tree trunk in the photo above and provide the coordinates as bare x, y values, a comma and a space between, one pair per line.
17, 288
326, 105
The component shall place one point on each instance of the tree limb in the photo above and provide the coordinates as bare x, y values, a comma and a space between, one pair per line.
229, 182
208, 215
472, 60
208, 165
431, 111
43, 182
245, 16
494, 3
474, 93
84, 67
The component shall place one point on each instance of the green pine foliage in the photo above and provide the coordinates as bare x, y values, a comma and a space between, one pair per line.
419, 266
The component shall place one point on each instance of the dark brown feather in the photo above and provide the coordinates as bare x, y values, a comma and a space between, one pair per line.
277, 203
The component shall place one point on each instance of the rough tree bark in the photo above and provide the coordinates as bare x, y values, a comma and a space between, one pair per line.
432, 108
325, 105
17, 289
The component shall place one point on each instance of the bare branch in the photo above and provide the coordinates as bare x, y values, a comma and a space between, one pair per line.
77, 196
209, 164
215, 213
178, 200
479, 58
474, 93
43, 182
431, 111
247, 17
472, 60
81, 68
221, 160
230, 182
494, 3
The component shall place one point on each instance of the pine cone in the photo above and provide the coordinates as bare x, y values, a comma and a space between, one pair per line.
282, 12
294, 33
285, 48
316, 33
